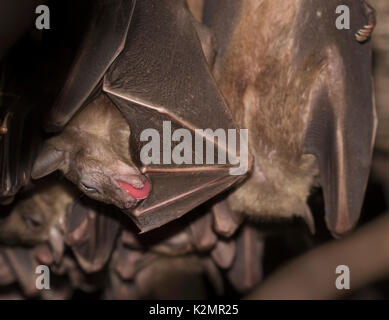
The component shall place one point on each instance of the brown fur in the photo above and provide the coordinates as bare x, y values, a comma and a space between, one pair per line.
269, 97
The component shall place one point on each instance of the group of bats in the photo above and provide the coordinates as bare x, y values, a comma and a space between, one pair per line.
279, 68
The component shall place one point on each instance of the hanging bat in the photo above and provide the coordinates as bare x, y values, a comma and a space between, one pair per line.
172, 278
91, 231
303, 89
126, 262
154, 70
92, 152
245, 266
38, 217
142, 274
225, 220
30, 220
51, 214
224, 253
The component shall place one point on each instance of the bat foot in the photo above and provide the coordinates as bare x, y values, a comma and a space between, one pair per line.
364, 34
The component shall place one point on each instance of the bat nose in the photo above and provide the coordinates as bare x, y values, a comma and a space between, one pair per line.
136, 188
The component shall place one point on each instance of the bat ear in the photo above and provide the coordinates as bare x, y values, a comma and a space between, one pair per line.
49, 160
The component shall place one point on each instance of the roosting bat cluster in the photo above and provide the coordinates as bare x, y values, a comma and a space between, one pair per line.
87, 248
79, 101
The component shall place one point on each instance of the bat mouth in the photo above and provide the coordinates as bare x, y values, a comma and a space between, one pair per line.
136, 192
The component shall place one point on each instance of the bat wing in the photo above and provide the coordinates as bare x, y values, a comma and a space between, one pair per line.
91, 232
160, 78
246, 269
20, 137
342, 121
103, 41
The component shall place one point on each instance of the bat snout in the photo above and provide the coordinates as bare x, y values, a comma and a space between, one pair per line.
135, 187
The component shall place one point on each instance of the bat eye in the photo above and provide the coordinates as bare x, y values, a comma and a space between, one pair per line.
32, 221
88, 188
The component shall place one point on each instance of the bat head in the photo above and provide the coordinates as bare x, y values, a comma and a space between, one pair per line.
93, 153
38, 217
26, 224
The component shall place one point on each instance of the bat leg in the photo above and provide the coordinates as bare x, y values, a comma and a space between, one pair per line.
364, 33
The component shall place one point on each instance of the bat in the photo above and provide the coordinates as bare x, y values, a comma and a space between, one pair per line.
74, 275
126, 262
225, 220
172, 278
140, 274
99, 163
201, 232
178, 243
130, 73
224, 253
246, 269
51, 214
117, 289
37, 217
303, 89
91, 231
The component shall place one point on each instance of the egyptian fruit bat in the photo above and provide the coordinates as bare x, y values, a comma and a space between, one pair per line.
91, 229
38, 216
303, 89
93, 153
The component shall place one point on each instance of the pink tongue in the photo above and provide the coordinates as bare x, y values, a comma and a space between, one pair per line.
138, 194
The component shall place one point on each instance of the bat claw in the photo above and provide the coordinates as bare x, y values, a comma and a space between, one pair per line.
364, 34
